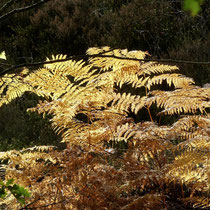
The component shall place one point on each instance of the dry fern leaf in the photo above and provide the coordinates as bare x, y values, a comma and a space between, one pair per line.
187, 100
13, 86
198, 201
26, 168
87, 134
126, 102
105, 63
125, 132
57, 65
148, 201
151, 68
199, 142
191, 167
47, 83
190, 126
178, 80
77, 69
102, 127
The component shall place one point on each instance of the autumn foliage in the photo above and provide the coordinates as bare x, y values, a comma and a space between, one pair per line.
112, 160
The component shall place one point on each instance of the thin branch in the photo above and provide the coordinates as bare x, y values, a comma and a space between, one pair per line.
100, 55
12, 12
26, 207
50, 204
7, 4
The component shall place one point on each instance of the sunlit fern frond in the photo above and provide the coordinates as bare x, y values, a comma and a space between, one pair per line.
57, 66
191, 169
77, 69
38, 149
125, 132
178, 80
100, 128
142, 131
13, 86
191, 165
48, 84
148, 139
197, 202
106, 63
190, 126
151, 68
126, 75
85, 133
136, 73
125, 102
199, 142
187, 100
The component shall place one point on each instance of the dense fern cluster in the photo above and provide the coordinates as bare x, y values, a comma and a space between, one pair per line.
112, 161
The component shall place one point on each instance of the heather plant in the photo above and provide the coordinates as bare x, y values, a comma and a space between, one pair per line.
70, 27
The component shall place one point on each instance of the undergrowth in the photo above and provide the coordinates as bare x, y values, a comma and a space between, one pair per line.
112, 160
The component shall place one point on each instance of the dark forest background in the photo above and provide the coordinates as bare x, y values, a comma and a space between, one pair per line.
70, 27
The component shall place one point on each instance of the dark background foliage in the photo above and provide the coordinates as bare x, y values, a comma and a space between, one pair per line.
160, 27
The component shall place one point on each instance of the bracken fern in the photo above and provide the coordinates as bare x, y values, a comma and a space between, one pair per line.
160, 167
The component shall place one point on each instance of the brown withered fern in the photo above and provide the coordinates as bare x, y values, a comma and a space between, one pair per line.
112, 161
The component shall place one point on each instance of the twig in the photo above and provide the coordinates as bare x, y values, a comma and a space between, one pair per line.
50, 204
12, 12
7, 4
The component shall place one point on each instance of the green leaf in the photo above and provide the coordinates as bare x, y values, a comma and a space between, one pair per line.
24, 192
21, 200
193, 6
9, 182
3, 192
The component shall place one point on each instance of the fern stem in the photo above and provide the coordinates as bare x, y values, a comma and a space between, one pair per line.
150, 116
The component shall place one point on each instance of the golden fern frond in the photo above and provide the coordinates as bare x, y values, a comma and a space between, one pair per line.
125, 132
106, 63
188, 100
125, 102
151, 129
190, 126
178, 80
48, 84
57, 66
76, 101
148, 139
13, 86
191, 167
69, 103
150, 68
126, 78
142, 131
101, 127
85, 133
198, 201
133, 72
199, 142
38, 149
126, 75
76, 69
